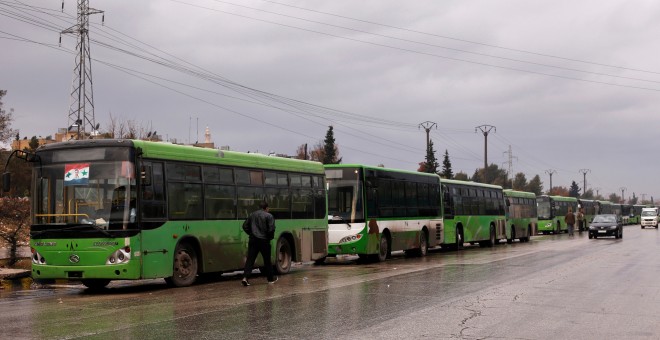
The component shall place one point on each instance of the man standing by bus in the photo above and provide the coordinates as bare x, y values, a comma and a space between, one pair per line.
580, 218
570, 221
260, 225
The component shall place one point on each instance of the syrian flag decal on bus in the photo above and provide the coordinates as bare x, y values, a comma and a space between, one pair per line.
76, 174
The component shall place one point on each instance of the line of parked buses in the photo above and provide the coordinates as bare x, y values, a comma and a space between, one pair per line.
107, 210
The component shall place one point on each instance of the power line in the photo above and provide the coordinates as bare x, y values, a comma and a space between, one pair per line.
459, 39
423, 43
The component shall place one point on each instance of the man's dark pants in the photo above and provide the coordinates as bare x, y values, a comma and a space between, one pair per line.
256, 246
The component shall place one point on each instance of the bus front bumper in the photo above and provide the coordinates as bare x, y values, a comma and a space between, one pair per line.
115, 272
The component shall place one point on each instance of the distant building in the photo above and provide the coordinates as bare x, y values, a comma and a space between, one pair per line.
62, 135
207, 140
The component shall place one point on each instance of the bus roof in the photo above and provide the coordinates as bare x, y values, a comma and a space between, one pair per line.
516, 193
337, 166
168, 151
561, 198
470, 183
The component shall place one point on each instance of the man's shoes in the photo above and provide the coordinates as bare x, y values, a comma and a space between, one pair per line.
274, 280
245, 282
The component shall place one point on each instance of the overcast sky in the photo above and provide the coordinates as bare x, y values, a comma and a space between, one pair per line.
568, 85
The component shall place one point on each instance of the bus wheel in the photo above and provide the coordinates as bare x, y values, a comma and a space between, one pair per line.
423, 246
95, 284
384, 249
283, 256
185, 266
492, 240
459, 238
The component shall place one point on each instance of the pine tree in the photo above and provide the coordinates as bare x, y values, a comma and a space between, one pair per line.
535, 185
574, 190
431, 165
446, 167
330, 151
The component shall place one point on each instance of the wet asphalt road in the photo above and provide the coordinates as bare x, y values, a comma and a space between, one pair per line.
550, 288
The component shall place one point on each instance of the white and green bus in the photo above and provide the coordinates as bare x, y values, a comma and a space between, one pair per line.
126, 209
473, 212
373, 211
551, 212
521, 217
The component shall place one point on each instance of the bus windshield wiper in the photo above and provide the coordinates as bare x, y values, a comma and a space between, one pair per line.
78, 226
341, 219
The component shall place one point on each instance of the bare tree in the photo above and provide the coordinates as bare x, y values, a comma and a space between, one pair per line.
14, 224
123, 128
6, 133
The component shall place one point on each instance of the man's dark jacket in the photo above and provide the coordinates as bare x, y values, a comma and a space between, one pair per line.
260, 224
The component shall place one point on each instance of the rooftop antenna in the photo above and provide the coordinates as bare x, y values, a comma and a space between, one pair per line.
81, 110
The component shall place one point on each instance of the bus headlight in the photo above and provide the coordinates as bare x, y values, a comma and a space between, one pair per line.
120, 256
350, 238
37, 258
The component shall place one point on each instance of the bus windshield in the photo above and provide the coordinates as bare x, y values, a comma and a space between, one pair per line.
544, 210
344, 196
86, 192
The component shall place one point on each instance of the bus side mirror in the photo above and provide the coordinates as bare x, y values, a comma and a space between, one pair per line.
508, 202
6, 181
145, 175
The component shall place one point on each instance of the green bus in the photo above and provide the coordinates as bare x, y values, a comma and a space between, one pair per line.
551, 212
373, 211
107, 210
521, 217
636, 213
473, 212
589, 211
606, 207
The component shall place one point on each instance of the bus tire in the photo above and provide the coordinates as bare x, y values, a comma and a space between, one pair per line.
95, 284
529, 233
283, 256
423, 246
460, 239
491, 239
383, 249
184, 272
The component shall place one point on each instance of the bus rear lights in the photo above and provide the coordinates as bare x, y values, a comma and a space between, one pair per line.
37, 258
120, 256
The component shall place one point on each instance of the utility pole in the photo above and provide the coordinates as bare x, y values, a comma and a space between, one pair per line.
510, 163
550, 172
485, 130
427, 127
623, 198
584, 173
81, 110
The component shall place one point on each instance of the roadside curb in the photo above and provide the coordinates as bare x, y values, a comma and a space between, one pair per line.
12, 274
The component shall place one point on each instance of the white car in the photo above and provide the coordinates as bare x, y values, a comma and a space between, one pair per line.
649, 218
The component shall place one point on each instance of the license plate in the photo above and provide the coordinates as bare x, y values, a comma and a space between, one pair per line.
602, 231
